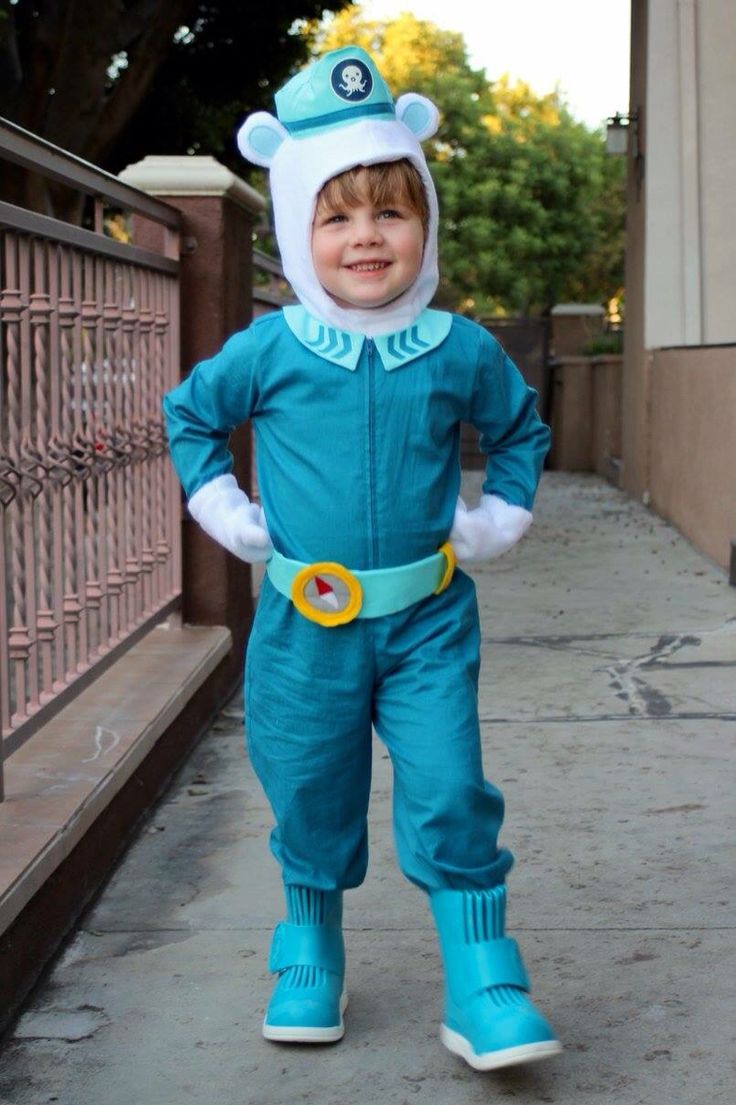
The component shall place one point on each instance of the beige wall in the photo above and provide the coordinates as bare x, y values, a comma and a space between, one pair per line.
717, 111
691, 166
634, 382
679, 404
586, 416
693, 445
667, 259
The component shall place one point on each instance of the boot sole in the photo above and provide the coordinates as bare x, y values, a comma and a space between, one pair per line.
303, 1034
493, 1060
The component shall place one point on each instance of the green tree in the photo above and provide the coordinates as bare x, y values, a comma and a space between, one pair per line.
113, 80
531, 207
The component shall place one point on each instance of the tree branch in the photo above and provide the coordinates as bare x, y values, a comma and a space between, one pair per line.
146, 52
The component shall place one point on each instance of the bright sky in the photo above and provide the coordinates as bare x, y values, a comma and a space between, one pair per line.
582, 45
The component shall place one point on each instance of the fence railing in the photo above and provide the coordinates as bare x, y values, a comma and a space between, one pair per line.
89, 340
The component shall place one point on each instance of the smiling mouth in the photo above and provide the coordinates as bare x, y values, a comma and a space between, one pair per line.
368, 266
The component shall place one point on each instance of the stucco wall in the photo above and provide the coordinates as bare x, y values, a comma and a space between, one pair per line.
690, 146
586, 416
665, 257
717, 112
634, 415
692, 444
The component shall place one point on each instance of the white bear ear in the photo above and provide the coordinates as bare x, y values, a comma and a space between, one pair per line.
419, 114
259, 138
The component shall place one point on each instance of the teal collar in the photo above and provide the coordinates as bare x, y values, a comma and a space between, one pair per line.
343, 348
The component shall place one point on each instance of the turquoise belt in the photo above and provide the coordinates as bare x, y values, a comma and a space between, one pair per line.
331, 594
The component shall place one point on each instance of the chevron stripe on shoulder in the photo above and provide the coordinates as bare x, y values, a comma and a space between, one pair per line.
428, 331
337, 346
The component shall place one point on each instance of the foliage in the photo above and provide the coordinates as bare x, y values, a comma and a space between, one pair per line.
113, 82
606, 345
532, 209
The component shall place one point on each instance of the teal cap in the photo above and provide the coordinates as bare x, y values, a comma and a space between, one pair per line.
340, 87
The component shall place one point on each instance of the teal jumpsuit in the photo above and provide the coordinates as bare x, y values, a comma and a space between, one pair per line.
357, 445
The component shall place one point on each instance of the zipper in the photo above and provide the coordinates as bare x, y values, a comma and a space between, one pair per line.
372, 455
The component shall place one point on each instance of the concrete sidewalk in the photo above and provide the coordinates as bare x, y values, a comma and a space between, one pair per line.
608, 701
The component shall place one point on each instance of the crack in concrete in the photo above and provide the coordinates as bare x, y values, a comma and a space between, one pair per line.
267, 930
643, 700
576, 719
697, 664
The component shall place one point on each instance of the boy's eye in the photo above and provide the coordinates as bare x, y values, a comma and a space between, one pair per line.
336, 217
389, 213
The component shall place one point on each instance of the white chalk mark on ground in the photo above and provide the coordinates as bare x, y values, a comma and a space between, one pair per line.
105, 741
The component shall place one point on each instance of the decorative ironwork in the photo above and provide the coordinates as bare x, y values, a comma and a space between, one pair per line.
88, 502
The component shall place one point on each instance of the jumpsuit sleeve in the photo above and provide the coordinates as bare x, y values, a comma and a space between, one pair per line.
512, 435
203, 410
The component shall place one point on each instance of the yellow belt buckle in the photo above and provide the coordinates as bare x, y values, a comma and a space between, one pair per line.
327, 593
449, 554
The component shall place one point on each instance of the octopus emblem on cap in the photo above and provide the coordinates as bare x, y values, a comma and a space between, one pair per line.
351, 80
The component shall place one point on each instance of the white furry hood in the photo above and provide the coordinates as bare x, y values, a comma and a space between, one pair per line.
332, 116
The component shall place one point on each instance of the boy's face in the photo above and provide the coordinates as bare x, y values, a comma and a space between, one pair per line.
366, 256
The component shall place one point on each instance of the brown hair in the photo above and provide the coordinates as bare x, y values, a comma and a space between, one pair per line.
385, 183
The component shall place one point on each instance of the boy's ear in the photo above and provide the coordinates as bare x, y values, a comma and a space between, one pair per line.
418, 114
259, 138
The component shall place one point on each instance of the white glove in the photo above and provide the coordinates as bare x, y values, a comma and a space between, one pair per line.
227, 514
488, 531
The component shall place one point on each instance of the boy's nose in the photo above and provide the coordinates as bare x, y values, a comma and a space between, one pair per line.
366, 231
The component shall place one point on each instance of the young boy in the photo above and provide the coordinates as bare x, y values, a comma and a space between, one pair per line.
356, 396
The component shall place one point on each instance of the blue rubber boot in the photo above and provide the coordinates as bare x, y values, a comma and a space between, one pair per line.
489, 1020
308, 953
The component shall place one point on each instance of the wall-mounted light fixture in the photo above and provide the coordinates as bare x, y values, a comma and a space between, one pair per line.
624, 136
619, 128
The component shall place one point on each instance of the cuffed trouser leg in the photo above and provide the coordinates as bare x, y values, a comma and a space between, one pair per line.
308, 727
446, 815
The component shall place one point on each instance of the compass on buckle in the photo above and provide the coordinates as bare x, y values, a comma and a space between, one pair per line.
327, 593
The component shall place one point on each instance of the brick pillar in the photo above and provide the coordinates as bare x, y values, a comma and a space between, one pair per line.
218, 211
